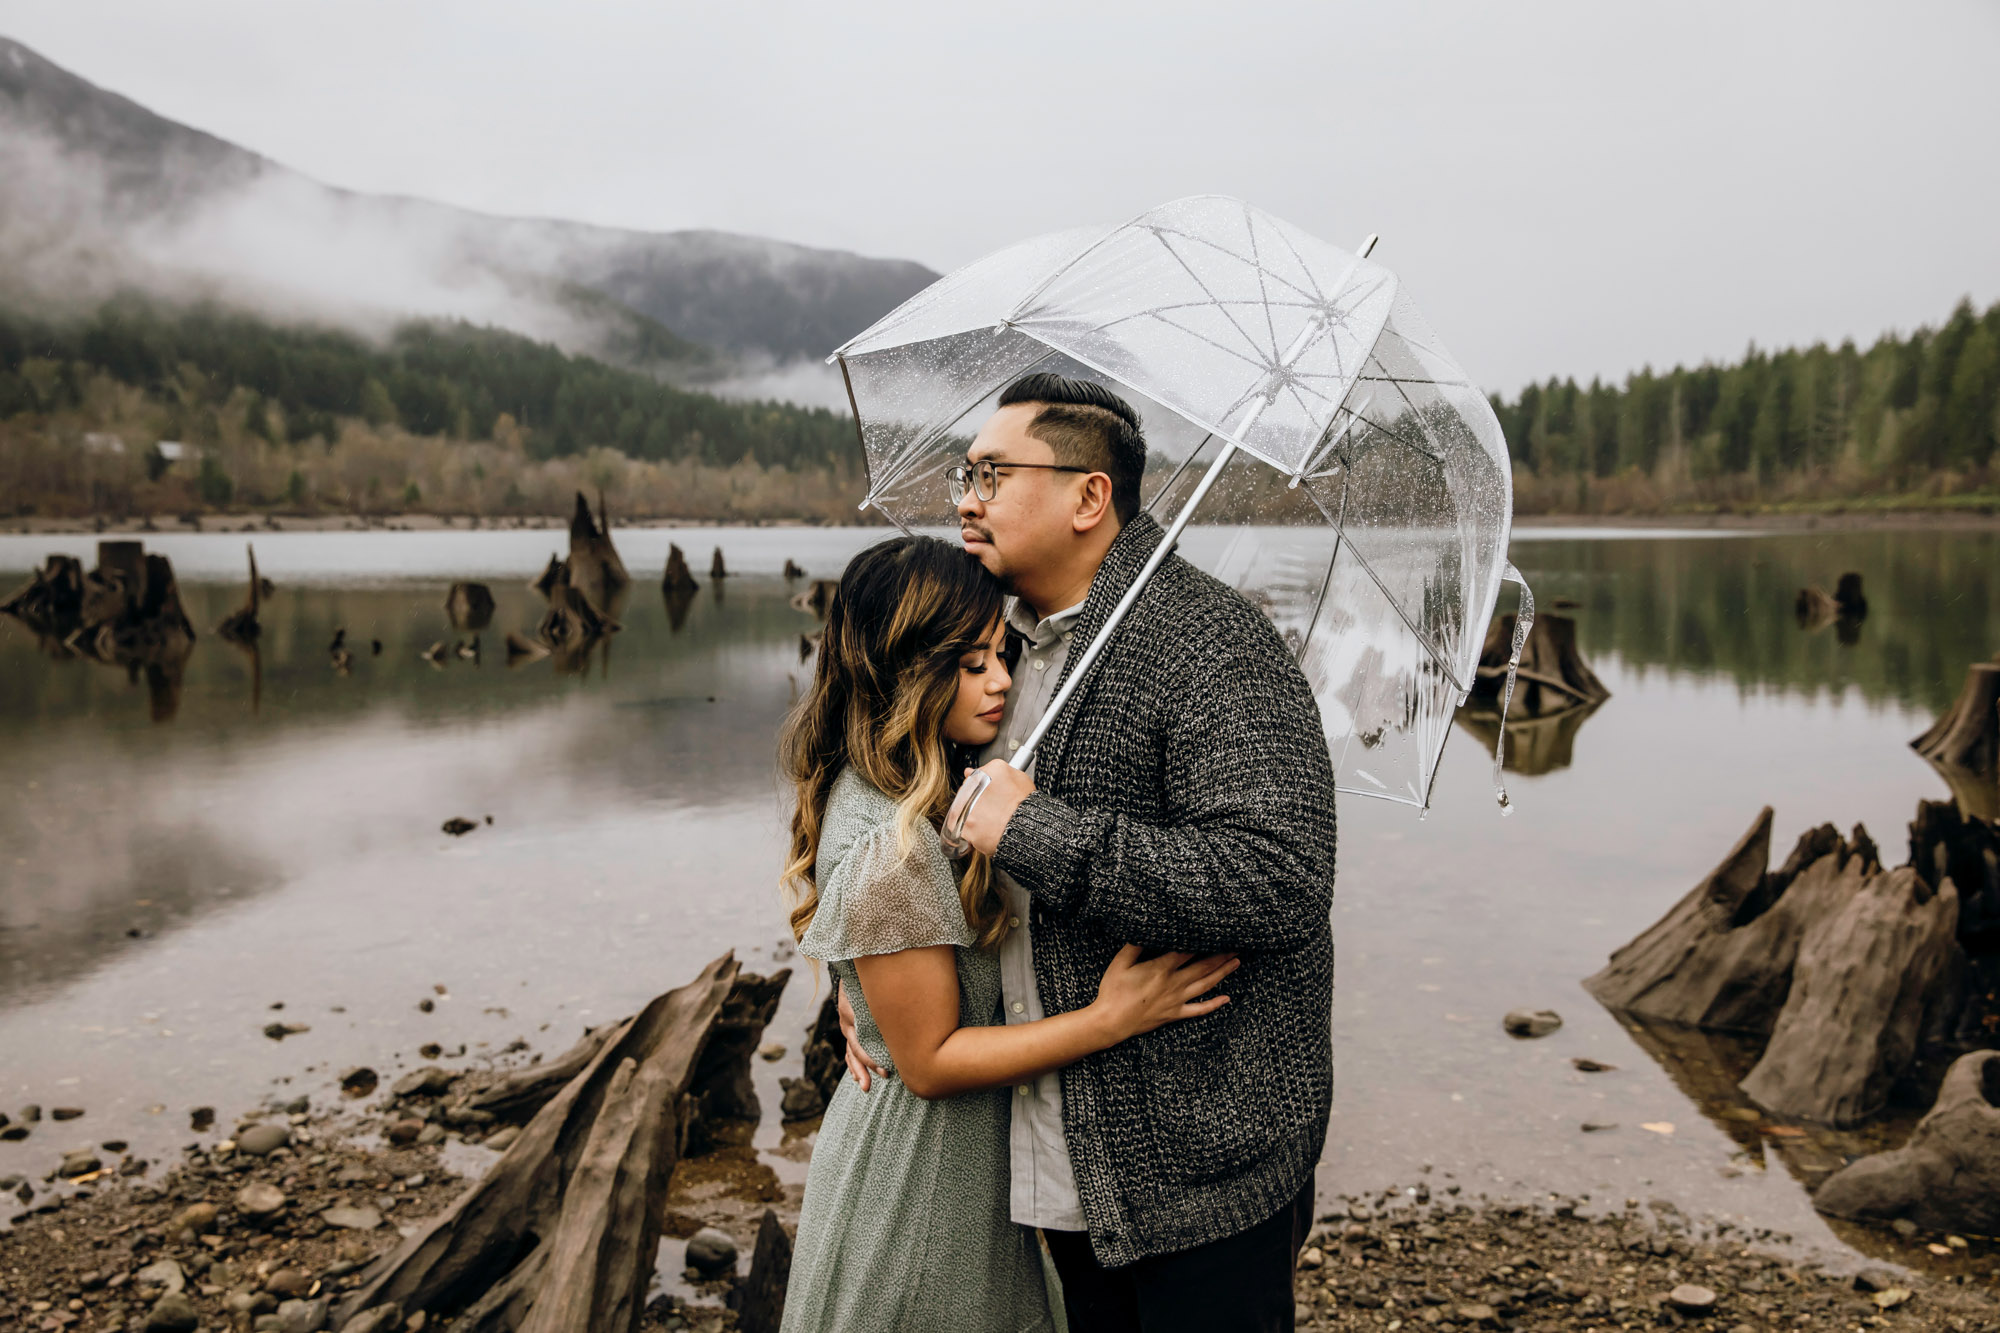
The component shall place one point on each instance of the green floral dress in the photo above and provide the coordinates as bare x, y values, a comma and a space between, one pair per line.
905, 1220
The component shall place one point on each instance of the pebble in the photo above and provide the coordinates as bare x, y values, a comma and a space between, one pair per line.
162, 1273
429, 1135
66, 1113
1531, 1022
302, 1316
405, 1131
31, 1114
79, 1163
352, 1219
264, 1139
13, 1133
1874, 1279
711, 1252
359, 1081
1690, 1299
259, 1200
1893, 1297
172, 1313
289, 1283
772, 1050
502, 1139
201, 1118
196, 1217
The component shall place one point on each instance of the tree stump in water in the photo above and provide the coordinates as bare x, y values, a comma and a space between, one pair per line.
716, 569
825, 1062
760, 1301
1947, 1176
242, 625
1553, 675
816, 597
1968, 735
595, 569
562, 1233
51, 602
1535, 744
1843, 965
470, 605
793, 570
678, 577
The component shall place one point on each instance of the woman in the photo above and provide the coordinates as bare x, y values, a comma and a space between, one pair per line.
905, 1220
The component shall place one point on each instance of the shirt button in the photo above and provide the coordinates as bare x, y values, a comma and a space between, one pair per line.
1066, 635
1040, 665
1023, 1089
1018, 1007
1013, 923
1014, 744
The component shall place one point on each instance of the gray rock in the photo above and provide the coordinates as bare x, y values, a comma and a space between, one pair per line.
430, 1134
30, 1114
162, 1273
66, 1113
79, 1163
1947, 1176
426, 1082
289, 1284
302, 1316
502, 1139
1531, 1022
353, 1219
259, 1200
172, 1313
1691, 1299
711, 1252
378, 1319
1874, 1279
262, 1140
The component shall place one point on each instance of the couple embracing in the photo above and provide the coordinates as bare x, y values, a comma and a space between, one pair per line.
1100, 1041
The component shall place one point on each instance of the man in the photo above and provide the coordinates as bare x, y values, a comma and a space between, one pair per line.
1182, 801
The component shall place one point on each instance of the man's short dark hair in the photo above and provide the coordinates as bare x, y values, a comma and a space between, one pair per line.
1086, 425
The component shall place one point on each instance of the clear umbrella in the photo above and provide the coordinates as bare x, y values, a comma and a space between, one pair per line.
1348, 477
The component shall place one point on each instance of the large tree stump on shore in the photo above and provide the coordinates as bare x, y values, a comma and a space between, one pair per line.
1842, 965
563, 1231
1553, 675
1947, 1176
1968, 735
722, 1100
1863, 984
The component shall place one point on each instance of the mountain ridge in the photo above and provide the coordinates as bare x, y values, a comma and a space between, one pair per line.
107, 175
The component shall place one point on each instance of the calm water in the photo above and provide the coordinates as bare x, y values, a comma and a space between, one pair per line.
164, 884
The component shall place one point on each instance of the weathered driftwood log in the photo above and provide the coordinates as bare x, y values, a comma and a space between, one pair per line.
759, 1301
562, 1232
1845, 967
716, 569
522, 1093
816, 597
1947, 1176
1866, 978
1721, 958
1553, 675
825, 1061
470, 605
1968, 735
242, 625
722, 1100
678, 578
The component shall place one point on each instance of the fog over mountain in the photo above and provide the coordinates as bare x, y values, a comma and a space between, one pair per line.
101, 193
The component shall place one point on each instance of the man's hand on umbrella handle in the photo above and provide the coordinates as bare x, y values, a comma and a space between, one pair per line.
859, 1066
1007, 786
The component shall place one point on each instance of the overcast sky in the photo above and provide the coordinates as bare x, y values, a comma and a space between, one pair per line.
1567, 188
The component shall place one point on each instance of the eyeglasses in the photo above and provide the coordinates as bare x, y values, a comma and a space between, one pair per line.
983, 477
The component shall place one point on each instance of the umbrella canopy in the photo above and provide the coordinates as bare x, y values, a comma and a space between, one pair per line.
1353, 482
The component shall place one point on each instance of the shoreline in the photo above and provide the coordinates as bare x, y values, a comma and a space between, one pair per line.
249, 524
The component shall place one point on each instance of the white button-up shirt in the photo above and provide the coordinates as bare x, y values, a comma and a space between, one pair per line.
1043, 1186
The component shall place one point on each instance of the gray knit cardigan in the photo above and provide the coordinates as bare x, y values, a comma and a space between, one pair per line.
1185, 802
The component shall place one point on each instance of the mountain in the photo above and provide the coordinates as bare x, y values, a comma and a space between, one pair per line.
104, 194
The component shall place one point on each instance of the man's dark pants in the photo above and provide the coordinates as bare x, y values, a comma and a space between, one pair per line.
1239, 1284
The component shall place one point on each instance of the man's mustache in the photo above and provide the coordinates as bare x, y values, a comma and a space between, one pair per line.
978, 530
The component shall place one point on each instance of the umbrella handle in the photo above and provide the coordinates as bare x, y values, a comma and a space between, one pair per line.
952, 835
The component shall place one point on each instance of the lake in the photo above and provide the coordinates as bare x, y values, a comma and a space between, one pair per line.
177, 860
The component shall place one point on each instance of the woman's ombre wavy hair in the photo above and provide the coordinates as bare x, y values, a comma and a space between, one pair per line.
906, 611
